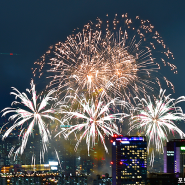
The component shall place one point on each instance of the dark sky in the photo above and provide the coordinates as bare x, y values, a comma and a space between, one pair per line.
30, 27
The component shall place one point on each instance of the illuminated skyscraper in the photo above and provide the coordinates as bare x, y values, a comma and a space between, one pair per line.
129, 160
174, 156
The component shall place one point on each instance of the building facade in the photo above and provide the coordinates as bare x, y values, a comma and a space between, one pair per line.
129, 160
162, 179
174, 156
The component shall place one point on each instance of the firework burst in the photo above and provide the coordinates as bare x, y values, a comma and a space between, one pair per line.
32, 112
157, 118
107, 56
93, 118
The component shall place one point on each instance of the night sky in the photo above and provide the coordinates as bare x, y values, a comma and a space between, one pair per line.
28, 28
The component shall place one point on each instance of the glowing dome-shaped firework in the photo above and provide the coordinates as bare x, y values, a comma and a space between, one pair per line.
114, 57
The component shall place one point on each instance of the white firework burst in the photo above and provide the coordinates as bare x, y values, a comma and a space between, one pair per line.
33, 112
156, 118
94, 119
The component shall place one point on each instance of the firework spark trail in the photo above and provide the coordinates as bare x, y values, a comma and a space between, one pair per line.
94, 117
58, 158
105, 57
34, 116
157, 118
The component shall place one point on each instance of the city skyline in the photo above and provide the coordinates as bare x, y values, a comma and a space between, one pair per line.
29, 33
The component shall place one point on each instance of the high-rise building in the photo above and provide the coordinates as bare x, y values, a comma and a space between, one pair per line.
5, 150
85, 162
174, 156
65, 154
10, 144
129, 160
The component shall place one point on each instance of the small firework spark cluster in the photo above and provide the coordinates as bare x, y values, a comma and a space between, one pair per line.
98, 77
